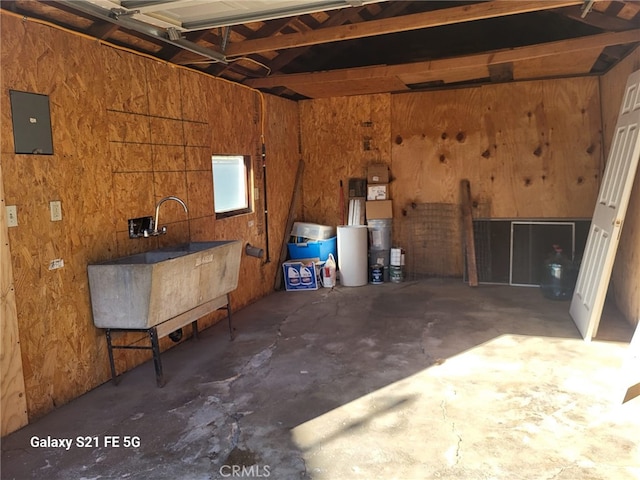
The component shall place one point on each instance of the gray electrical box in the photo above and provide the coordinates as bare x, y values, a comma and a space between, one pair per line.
31, 123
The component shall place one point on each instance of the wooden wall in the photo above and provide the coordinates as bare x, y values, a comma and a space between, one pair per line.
340, 137
625, 278
12, 392
127, 131
529, 149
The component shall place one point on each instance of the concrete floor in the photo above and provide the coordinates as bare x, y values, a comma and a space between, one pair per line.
419, 380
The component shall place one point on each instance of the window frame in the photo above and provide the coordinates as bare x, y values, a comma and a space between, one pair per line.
248, 168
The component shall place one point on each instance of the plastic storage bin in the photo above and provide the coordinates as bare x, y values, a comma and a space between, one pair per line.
313, 249
312, 231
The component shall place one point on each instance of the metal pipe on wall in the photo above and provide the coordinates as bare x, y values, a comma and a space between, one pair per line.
266, 210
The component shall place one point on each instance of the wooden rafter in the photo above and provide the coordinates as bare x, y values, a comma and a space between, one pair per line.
447, 16
339, 18
311, 43
431, 70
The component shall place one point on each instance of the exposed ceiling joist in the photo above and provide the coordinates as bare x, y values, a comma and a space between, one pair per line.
447, 16
389, 46
433, 70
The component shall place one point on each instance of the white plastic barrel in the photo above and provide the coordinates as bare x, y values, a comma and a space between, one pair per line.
352, 255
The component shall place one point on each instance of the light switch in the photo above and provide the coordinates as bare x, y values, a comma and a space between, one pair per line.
12, 216
56, 210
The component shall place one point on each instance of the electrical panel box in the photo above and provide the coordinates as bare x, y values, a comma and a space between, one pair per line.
31, 123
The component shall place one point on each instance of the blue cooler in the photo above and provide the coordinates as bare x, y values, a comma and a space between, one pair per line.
314, 249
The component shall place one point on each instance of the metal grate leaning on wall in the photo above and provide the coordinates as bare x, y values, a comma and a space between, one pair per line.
431, 233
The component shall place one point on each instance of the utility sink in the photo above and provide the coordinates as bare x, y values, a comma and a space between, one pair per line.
146, 289
146, 258
165, 253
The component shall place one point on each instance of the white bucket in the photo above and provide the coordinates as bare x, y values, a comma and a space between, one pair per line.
380, 234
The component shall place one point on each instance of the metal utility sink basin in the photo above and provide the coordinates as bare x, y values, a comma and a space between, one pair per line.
146, 258
165, 253
194, 246
146, 289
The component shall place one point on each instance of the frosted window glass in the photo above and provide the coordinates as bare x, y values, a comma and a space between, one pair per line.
230, 189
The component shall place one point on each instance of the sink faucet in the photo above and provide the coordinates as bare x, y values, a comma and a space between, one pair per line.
163, 230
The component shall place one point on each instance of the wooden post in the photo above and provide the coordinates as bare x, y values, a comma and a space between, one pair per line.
287, 229
14, 400
467, 226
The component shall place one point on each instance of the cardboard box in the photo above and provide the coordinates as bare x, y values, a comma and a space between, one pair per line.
378, 173
379, 209
299, 276
378, 191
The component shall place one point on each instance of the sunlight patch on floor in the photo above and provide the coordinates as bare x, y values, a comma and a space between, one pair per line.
513, 406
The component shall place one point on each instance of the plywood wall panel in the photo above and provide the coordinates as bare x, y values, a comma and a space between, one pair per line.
74, 176
522, 157
199, 195
134, 191
165, 99
138, 165
503, 146
166, 131
197, 134
575, 153
129, 128
194, 94
17, 43
626, 273
125, 75
203, 228
197, 158
225, 101
168, 158
340, 137
282, 158
530, 150
131, 157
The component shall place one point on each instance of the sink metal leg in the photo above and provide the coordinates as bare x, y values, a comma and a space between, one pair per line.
194, 328
231, 335
111, 362
157, 363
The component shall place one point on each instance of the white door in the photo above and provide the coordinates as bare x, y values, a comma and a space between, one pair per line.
613, 198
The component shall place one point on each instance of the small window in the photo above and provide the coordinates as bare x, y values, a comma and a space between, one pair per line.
231, 184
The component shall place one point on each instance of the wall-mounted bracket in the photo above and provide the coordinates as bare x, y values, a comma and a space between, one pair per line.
140, 227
